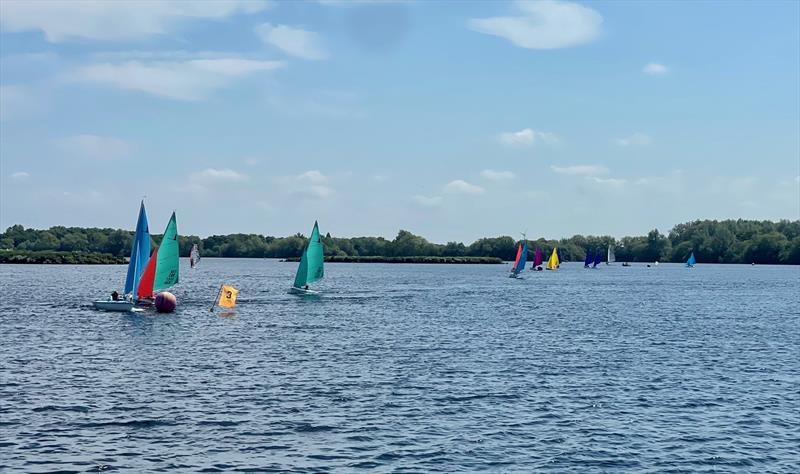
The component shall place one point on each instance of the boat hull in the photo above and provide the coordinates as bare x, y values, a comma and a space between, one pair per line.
302, 291
120, 306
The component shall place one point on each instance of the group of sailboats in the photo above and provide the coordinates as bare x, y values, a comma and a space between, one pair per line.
148, 272
522, 255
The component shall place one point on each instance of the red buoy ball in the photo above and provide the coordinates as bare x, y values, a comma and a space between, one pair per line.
166, 302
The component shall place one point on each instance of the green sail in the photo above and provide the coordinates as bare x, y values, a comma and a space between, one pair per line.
167, 258
311, 263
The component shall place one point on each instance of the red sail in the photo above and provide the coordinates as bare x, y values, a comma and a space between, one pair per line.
519, 254
146, 282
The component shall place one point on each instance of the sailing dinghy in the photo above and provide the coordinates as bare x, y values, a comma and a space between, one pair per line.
598, 258
194, 256
537, 260
164, 272
589, 259
611, 257
311, 266
140, 254
553, 263
690, 263
519, 262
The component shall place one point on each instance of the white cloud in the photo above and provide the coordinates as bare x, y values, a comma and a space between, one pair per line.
218, 175
182, 80
117, 20
526, 137
379, 178
313, 176
582, 170
20, 176
548, 24
314, 192
427, 201
497, 175
655, 69
293, 41
460, 186
613, 182
637, 139
96, 147
19, 102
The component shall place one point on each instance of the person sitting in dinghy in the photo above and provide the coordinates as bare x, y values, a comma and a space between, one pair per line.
114, 296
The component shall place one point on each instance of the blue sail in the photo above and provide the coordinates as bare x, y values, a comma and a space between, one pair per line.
598, 257
140, 252
522, 258
691, 261
588, 260
558, 253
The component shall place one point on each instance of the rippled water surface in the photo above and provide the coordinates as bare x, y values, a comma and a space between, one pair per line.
406, 368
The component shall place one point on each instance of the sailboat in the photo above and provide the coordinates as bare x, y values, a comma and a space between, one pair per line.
553, 263
140, 254
690, 263
598, 258
589, 259
519, 262
194, 256
560, 258
611, 257
311, 265
162, 270
537, 260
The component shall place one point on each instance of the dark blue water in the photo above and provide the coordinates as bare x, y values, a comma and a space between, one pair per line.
405, 368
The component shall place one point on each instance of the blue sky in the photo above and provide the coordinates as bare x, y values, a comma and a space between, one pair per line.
451, 120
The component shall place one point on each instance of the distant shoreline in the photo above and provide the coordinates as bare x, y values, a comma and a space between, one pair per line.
421, 259
48, 257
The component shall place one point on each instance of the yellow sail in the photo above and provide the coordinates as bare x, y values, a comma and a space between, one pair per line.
553, 263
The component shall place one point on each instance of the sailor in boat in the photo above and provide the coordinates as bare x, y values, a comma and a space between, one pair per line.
114, 296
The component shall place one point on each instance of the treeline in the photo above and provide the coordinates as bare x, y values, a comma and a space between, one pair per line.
49, 257
729, 241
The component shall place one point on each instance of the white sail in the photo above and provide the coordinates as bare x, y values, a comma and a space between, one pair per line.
194, 256
611, 257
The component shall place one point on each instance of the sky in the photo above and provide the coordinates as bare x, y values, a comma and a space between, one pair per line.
451, 120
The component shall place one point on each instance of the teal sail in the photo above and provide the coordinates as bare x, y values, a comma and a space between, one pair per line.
691, 261
140, 252
167, 258
311, 267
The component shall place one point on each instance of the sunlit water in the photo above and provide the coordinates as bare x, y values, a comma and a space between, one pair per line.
415, 368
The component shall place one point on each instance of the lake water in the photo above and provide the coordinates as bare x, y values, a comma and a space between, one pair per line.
406, 368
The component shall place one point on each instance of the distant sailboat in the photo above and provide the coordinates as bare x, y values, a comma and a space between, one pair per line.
311, 266
537, 259
598, 258
140, 254
519, 262
589, 258
691, 261
194, 256
560, 258
611, 257
554, 261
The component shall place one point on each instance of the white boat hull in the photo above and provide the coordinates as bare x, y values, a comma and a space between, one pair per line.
108, 305
302, 291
